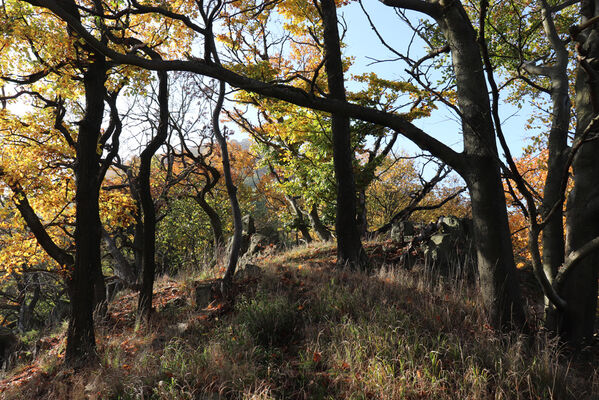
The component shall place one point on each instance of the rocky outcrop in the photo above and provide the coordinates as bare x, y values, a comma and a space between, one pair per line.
445, 245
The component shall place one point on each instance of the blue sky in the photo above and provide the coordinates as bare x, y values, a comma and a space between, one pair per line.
363, 45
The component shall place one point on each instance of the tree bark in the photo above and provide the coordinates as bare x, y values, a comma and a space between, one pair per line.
362, 213
349, 245
121, 267
579, 290
231, 191
215, 223
497, 271
144, 306
86, 273
300, 222
320, 229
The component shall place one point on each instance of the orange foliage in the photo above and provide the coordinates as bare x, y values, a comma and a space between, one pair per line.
533, 168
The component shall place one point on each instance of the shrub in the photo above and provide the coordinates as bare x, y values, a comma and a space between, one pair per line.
273, 321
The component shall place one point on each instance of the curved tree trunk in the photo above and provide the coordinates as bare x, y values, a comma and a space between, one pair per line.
349, 245
300, 222
215, 222
144, 306
231, 191
121, 267
320, 229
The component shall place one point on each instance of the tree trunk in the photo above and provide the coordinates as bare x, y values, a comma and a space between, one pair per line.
362, 215
579, 289
231, 191
553, 234
144, 306
300, 222
349, 245
215, 223
498, 280
320, 229
81, 342
121, 267
25, 319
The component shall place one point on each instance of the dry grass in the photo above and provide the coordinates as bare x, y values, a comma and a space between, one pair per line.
305, 330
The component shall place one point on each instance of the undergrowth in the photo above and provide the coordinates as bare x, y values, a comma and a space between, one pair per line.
303, 329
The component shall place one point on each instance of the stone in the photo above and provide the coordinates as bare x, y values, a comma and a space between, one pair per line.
249, 271
248, 225
258, 243
402, 231
181, 328
452, 223
204, 293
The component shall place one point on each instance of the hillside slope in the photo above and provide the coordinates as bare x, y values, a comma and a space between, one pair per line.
302, 329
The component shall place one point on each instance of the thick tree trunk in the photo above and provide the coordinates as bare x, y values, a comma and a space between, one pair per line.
579, 290
144, 306
349, 245
81, 342
552, 240
498, 280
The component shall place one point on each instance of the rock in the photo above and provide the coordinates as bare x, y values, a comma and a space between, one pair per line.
248, 226
174, 304
181, 328
248, 271
438, 249
450, 223
258, 243
204, 293
402, 232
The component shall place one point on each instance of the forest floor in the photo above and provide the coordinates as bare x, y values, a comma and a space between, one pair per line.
302, 329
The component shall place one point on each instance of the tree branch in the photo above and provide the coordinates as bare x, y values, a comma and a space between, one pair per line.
282, 92
430, 9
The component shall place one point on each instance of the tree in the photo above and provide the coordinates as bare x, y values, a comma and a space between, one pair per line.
478, 164
572, 318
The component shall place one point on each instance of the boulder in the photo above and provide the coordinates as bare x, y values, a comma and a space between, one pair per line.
450, 223
248, 225
402, 231
438, 249
258, 243
204, 293
248, 271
